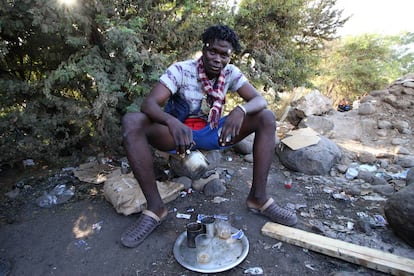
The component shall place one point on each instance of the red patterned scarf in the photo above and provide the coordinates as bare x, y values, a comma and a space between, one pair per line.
216, 94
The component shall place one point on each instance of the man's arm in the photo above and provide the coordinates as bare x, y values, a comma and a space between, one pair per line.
254, 102
152, 107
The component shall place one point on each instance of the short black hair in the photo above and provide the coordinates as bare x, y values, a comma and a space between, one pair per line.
221, 32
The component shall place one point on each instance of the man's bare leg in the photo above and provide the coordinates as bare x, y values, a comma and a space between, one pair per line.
264, 127
138, 130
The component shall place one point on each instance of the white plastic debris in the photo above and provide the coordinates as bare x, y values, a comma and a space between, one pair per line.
28, 163
97, 226
219, 199
183, 216
277, 245
254, 271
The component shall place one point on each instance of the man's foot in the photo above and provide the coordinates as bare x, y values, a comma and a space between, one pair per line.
275, 213
135, 234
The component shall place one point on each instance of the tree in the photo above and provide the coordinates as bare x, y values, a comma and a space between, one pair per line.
69, 73
356, 65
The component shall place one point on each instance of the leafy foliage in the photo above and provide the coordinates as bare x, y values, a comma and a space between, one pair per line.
69, 73
356, 65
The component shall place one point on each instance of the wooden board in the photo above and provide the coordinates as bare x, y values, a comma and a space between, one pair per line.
368, 257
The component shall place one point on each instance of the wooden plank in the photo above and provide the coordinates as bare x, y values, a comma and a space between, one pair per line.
365, 256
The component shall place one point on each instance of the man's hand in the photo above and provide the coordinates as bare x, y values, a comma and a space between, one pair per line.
232, 126
182, 134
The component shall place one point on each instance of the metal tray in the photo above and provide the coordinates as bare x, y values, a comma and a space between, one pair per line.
226, 255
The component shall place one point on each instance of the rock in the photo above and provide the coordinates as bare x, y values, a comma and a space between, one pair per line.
395, 102
366, 109
198, 184
366, 157
341, 168
313, 103
248, 158
399, 141
186, 181
312, 160
382, 133
366, 176
214, 188
378, 93
401, 126
318, 123
406, 161
385, 189
382, 124
245, 146
378, 181
408, 91
213, 157
399, 210
402, 150
409, 84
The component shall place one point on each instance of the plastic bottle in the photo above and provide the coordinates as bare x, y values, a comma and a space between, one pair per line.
60, 194
46, 200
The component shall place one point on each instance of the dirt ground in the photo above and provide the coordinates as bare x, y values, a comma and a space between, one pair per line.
81, 237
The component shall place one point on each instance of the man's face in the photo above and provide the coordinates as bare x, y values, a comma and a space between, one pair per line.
216, 55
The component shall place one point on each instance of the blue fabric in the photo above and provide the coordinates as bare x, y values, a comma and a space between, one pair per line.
177, 107
207, 138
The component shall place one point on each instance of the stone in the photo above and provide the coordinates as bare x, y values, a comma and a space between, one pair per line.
401, 125
214, 188
318, 123
409, 84
379, 93
366, 109
198, 184
213, 157
382, 133
406, 161
382, 124
245, 146
399, 210
402, 150
366, 157
313, 160
385, 189
248, 158
313, 103
186, 181
366, 176
399, 141
341, 168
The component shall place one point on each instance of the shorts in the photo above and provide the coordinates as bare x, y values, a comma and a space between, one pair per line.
207, 138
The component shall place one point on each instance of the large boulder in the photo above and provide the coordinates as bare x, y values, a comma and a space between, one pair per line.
316, 159
320, 124
399, 210
313, 103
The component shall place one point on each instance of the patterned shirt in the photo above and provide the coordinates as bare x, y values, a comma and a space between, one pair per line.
182, 77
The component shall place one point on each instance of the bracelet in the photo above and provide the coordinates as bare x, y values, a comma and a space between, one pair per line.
243, 109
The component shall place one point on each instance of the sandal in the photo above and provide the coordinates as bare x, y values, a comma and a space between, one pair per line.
276, 213
139, 230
